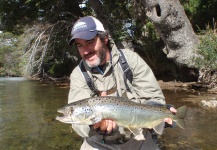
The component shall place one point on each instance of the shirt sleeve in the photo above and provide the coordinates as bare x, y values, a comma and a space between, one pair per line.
144, 82
78, 86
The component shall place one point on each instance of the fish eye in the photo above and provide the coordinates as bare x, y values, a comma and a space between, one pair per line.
70, 110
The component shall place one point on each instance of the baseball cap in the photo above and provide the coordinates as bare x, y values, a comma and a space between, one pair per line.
86, 28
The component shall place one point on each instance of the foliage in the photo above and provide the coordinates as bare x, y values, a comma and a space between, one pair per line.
9, 57
44, 47
15, 14
117, 17
46, 24
46, 51
201, 12
207, 51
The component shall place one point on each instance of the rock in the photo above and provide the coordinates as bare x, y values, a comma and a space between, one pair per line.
209, 103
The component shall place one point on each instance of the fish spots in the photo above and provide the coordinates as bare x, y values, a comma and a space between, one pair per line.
87, 109
126, 113
82, 112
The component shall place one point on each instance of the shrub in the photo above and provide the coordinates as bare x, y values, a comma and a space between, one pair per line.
207, 50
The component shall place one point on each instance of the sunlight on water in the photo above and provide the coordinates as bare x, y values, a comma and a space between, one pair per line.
12, 79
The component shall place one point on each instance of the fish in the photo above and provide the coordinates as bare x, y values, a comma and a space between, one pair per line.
124, 112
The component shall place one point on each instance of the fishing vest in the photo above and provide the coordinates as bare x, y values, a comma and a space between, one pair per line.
127, 73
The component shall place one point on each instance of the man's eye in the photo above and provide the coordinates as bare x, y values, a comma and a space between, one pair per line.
90, 42
78, 45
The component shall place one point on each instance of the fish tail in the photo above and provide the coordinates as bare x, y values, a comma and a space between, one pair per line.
180, 115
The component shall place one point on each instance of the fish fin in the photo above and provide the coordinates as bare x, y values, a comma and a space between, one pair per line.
124, 95
135, 131
180, 123
180, 115
181, 112
159, 128
151, 103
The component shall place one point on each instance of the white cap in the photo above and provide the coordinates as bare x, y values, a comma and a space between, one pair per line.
86, 28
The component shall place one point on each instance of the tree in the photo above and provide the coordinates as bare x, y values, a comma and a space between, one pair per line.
170, 22
174, 28
43, 44
132, 23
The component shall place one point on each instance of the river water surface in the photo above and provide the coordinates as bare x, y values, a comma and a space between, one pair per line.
28, 111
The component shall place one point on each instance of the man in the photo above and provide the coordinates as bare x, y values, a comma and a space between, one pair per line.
100, 59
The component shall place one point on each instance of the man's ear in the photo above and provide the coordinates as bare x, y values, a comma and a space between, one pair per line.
106, 40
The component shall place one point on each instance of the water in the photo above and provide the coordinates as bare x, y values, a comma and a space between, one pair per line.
28, 111
27, 116
201, 123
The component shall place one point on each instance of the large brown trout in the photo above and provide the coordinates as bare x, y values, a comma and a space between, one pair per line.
126, 113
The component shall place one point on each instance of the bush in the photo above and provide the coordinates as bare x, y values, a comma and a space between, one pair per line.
207, 50
8, 54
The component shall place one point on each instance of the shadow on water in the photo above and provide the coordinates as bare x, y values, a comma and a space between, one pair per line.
28, 111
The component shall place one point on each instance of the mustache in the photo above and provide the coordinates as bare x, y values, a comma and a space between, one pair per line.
88, 54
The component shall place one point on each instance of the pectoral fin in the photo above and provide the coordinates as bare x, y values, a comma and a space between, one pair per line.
159, 128
135, 131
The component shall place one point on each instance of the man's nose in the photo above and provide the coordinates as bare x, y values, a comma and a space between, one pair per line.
87, 49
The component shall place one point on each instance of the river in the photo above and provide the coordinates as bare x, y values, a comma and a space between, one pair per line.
28, 111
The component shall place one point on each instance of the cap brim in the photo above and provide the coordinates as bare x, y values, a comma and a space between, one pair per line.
85, 35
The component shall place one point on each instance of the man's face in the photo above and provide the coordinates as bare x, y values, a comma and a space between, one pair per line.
92, 51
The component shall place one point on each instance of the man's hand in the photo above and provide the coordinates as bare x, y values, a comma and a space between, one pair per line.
169, 120
106, 125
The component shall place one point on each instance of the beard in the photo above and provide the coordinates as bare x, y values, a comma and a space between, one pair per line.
99, 58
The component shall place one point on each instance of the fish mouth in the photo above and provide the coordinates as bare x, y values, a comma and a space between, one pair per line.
59, 118
69, 120
64, 111
64, 119
61, 110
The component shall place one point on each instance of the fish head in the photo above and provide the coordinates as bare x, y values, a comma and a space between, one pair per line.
79, 115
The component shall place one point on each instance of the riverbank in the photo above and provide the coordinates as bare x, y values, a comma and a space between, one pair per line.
175, 84
167, 84
163, 84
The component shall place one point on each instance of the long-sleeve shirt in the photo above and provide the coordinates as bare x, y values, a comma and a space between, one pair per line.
144, 89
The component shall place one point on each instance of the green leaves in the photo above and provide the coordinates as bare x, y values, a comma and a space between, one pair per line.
200, 12
207, 50
9, 57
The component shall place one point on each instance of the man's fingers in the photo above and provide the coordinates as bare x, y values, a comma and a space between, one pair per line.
104, 125
110, 126
173, 110
114, 125
97, 125
168, 120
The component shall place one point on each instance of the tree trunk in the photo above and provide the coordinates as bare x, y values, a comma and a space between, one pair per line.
174, 28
